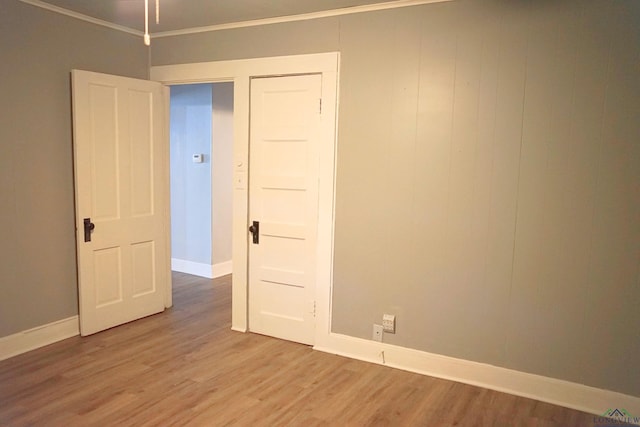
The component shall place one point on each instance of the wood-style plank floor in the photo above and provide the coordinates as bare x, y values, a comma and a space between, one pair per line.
186, 367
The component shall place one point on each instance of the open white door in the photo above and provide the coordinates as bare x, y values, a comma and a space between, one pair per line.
121, 187
283, 205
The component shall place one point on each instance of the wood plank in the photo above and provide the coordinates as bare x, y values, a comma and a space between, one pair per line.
187, 367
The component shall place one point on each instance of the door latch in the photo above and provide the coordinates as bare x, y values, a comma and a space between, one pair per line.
88, 228
255, 231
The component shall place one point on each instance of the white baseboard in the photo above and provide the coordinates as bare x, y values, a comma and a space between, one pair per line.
558, 392
199, 269
222, 269
40, 336
190, 267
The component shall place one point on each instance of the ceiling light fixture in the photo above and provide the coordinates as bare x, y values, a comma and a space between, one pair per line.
147, 37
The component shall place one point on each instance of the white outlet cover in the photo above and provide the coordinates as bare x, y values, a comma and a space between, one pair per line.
377, 333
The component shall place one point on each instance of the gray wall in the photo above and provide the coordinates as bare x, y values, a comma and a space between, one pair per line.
38, 49
222, 171
488, 177
191, 117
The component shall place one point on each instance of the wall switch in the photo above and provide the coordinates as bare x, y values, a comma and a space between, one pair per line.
197, 158
389, 323
377, 333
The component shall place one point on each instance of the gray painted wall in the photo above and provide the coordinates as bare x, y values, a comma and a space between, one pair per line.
38, 49
488, 177
191, 117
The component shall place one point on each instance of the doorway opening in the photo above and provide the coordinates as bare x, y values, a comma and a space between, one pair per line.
201, 175
241, 72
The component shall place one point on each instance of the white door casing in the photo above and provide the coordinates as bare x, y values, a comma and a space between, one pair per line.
241, 72
283, 199
121, 184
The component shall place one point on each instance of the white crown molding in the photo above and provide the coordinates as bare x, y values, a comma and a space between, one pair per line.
82, 17
301, 17
242, 24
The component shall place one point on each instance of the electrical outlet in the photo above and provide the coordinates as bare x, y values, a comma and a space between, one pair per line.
377, 333
389, 323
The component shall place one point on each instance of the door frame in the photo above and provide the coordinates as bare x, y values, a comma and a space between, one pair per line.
240, 73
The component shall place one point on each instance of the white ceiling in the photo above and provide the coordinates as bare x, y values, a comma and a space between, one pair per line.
182, 14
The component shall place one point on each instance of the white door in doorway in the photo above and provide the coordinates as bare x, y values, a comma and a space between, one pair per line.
121, 182
283, 205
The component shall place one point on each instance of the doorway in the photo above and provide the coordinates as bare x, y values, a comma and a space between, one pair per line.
241, 73
201, 159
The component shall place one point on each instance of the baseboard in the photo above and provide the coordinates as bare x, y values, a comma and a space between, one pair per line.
190, 267
199, 269
40, 336
222, 269
558, 392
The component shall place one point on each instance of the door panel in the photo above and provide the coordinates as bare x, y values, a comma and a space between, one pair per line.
144, 282
107, 276
283, 176
121, 185
103, 146
142, 154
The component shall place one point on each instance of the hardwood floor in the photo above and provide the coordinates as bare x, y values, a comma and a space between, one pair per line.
186, 367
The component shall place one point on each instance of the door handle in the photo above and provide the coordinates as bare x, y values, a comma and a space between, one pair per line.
88, 228
254, 229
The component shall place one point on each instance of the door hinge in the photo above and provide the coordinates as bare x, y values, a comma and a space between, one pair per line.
313, 308
320, 106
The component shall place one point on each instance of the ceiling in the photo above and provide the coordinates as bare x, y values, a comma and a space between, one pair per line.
183, 14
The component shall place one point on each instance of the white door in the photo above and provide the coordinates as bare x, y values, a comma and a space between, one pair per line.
121, 187
283, 202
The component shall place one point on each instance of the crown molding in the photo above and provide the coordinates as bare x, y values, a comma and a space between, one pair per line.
82, 17
241, 24
300, 17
